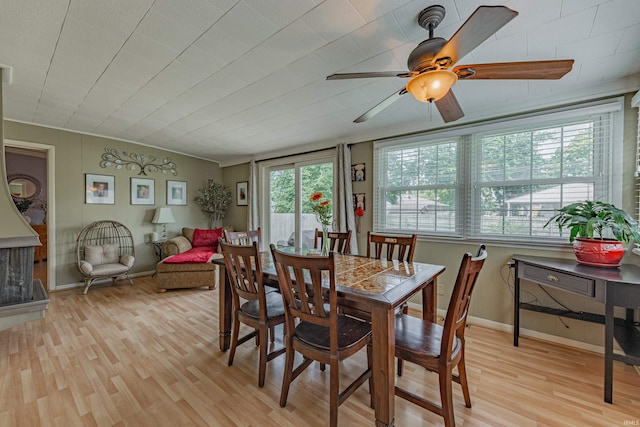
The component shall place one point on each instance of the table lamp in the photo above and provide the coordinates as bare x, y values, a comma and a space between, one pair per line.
163, 216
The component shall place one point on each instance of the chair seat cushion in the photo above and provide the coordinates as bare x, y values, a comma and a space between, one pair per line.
419, 337
275, 307
102, 270
350, 331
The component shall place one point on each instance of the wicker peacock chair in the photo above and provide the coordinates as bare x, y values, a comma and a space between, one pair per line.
104, 249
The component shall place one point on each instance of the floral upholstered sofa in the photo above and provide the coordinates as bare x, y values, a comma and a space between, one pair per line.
188, 260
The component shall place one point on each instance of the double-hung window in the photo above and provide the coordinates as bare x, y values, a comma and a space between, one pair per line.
500, 180
419, 188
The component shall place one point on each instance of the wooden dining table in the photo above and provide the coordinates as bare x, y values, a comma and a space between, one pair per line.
373, 287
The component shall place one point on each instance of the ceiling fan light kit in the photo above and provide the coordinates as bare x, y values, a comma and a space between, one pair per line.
432, 85
429, 62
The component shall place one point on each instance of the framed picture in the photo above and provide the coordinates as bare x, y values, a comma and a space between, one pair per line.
358, 201
176, 192
242, 198
99, 189
142, 191
357, 172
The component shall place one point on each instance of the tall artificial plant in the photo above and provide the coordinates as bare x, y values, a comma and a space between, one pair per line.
214, 200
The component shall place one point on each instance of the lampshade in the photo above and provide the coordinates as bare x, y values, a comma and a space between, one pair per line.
431, 85
163, 216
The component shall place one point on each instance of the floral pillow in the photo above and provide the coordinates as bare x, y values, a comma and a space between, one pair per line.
206, 237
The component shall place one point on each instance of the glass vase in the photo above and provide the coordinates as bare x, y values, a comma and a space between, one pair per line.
325, 240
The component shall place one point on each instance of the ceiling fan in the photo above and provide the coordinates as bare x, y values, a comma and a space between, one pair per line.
429, 62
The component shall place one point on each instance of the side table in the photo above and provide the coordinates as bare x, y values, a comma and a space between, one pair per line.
157, 247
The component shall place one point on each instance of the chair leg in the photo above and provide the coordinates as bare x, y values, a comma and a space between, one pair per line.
87, 284
288, 373
262, 368
372, 390
334, 391
462, 373
272, 333
405, 310
234, 338
446, 397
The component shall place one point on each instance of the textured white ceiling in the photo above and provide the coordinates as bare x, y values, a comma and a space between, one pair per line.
228, 80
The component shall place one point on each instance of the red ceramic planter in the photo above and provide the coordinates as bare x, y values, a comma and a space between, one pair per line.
598, 252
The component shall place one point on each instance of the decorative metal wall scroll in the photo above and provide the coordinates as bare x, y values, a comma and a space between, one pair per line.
133, 162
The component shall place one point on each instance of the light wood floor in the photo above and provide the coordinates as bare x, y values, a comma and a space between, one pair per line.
128, 356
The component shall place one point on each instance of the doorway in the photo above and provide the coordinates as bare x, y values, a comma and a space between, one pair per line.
44, 268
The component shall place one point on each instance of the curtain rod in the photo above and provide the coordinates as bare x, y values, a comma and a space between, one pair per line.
299, 154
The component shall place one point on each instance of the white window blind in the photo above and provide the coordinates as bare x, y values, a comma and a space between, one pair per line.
418, 187
635, 102
499, 180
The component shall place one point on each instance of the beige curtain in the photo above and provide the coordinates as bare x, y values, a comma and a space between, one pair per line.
344, 199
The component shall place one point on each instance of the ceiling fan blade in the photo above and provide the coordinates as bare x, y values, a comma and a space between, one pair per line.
532, 70
381, 106
342, 76
482, 24
449, 108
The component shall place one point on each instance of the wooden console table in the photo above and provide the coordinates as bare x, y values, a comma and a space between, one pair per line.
614, 287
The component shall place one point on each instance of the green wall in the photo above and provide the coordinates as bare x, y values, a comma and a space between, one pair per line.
77, 154
236, 215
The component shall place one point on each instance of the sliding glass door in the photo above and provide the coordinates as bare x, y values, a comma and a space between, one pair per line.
288, 219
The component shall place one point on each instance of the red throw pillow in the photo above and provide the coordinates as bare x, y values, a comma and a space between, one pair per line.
206, 238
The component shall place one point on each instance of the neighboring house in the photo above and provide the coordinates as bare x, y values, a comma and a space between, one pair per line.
544, 202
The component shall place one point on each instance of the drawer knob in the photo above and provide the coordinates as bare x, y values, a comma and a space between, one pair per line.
552, 278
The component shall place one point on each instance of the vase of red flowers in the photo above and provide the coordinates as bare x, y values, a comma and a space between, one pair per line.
323, 210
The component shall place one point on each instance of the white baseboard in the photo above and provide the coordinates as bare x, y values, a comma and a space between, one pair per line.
82, 284
504, 327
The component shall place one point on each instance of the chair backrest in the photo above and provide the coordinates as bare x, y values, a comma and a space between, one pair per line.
243, 237
405, 245
456, 317
244, 268
105, 232
338, 242
308, 288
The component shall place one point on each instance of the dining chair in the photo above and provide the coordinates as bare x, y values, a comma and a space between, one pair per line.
243, 237
261, 311
338, 241
405, 246
441, 348
308, 288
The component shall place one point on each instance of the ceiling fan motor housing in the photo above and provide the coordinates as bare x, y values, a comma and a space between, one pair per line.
422, 56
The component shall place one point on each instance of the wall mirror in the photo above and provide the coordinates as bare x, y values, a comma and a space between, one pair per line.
24, 186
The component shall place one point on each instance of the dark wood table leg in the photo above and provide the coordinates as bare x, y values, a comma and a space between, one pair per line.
609, 322
516, 308
430, 301
383, 331
224, 309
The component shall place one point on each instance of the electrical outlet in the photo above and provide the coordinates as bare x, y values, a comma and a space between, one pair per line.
440, 290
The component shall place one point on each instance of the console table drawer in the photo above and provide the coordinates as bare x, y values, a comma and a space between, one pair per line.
556, 279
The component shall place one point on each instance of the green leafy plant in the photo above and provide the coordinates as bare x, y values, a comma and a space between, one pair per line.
214, 200
593, 218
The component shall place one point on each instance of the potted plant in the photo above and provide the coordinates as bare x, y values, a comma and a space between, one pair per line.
597, 231
214, 200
